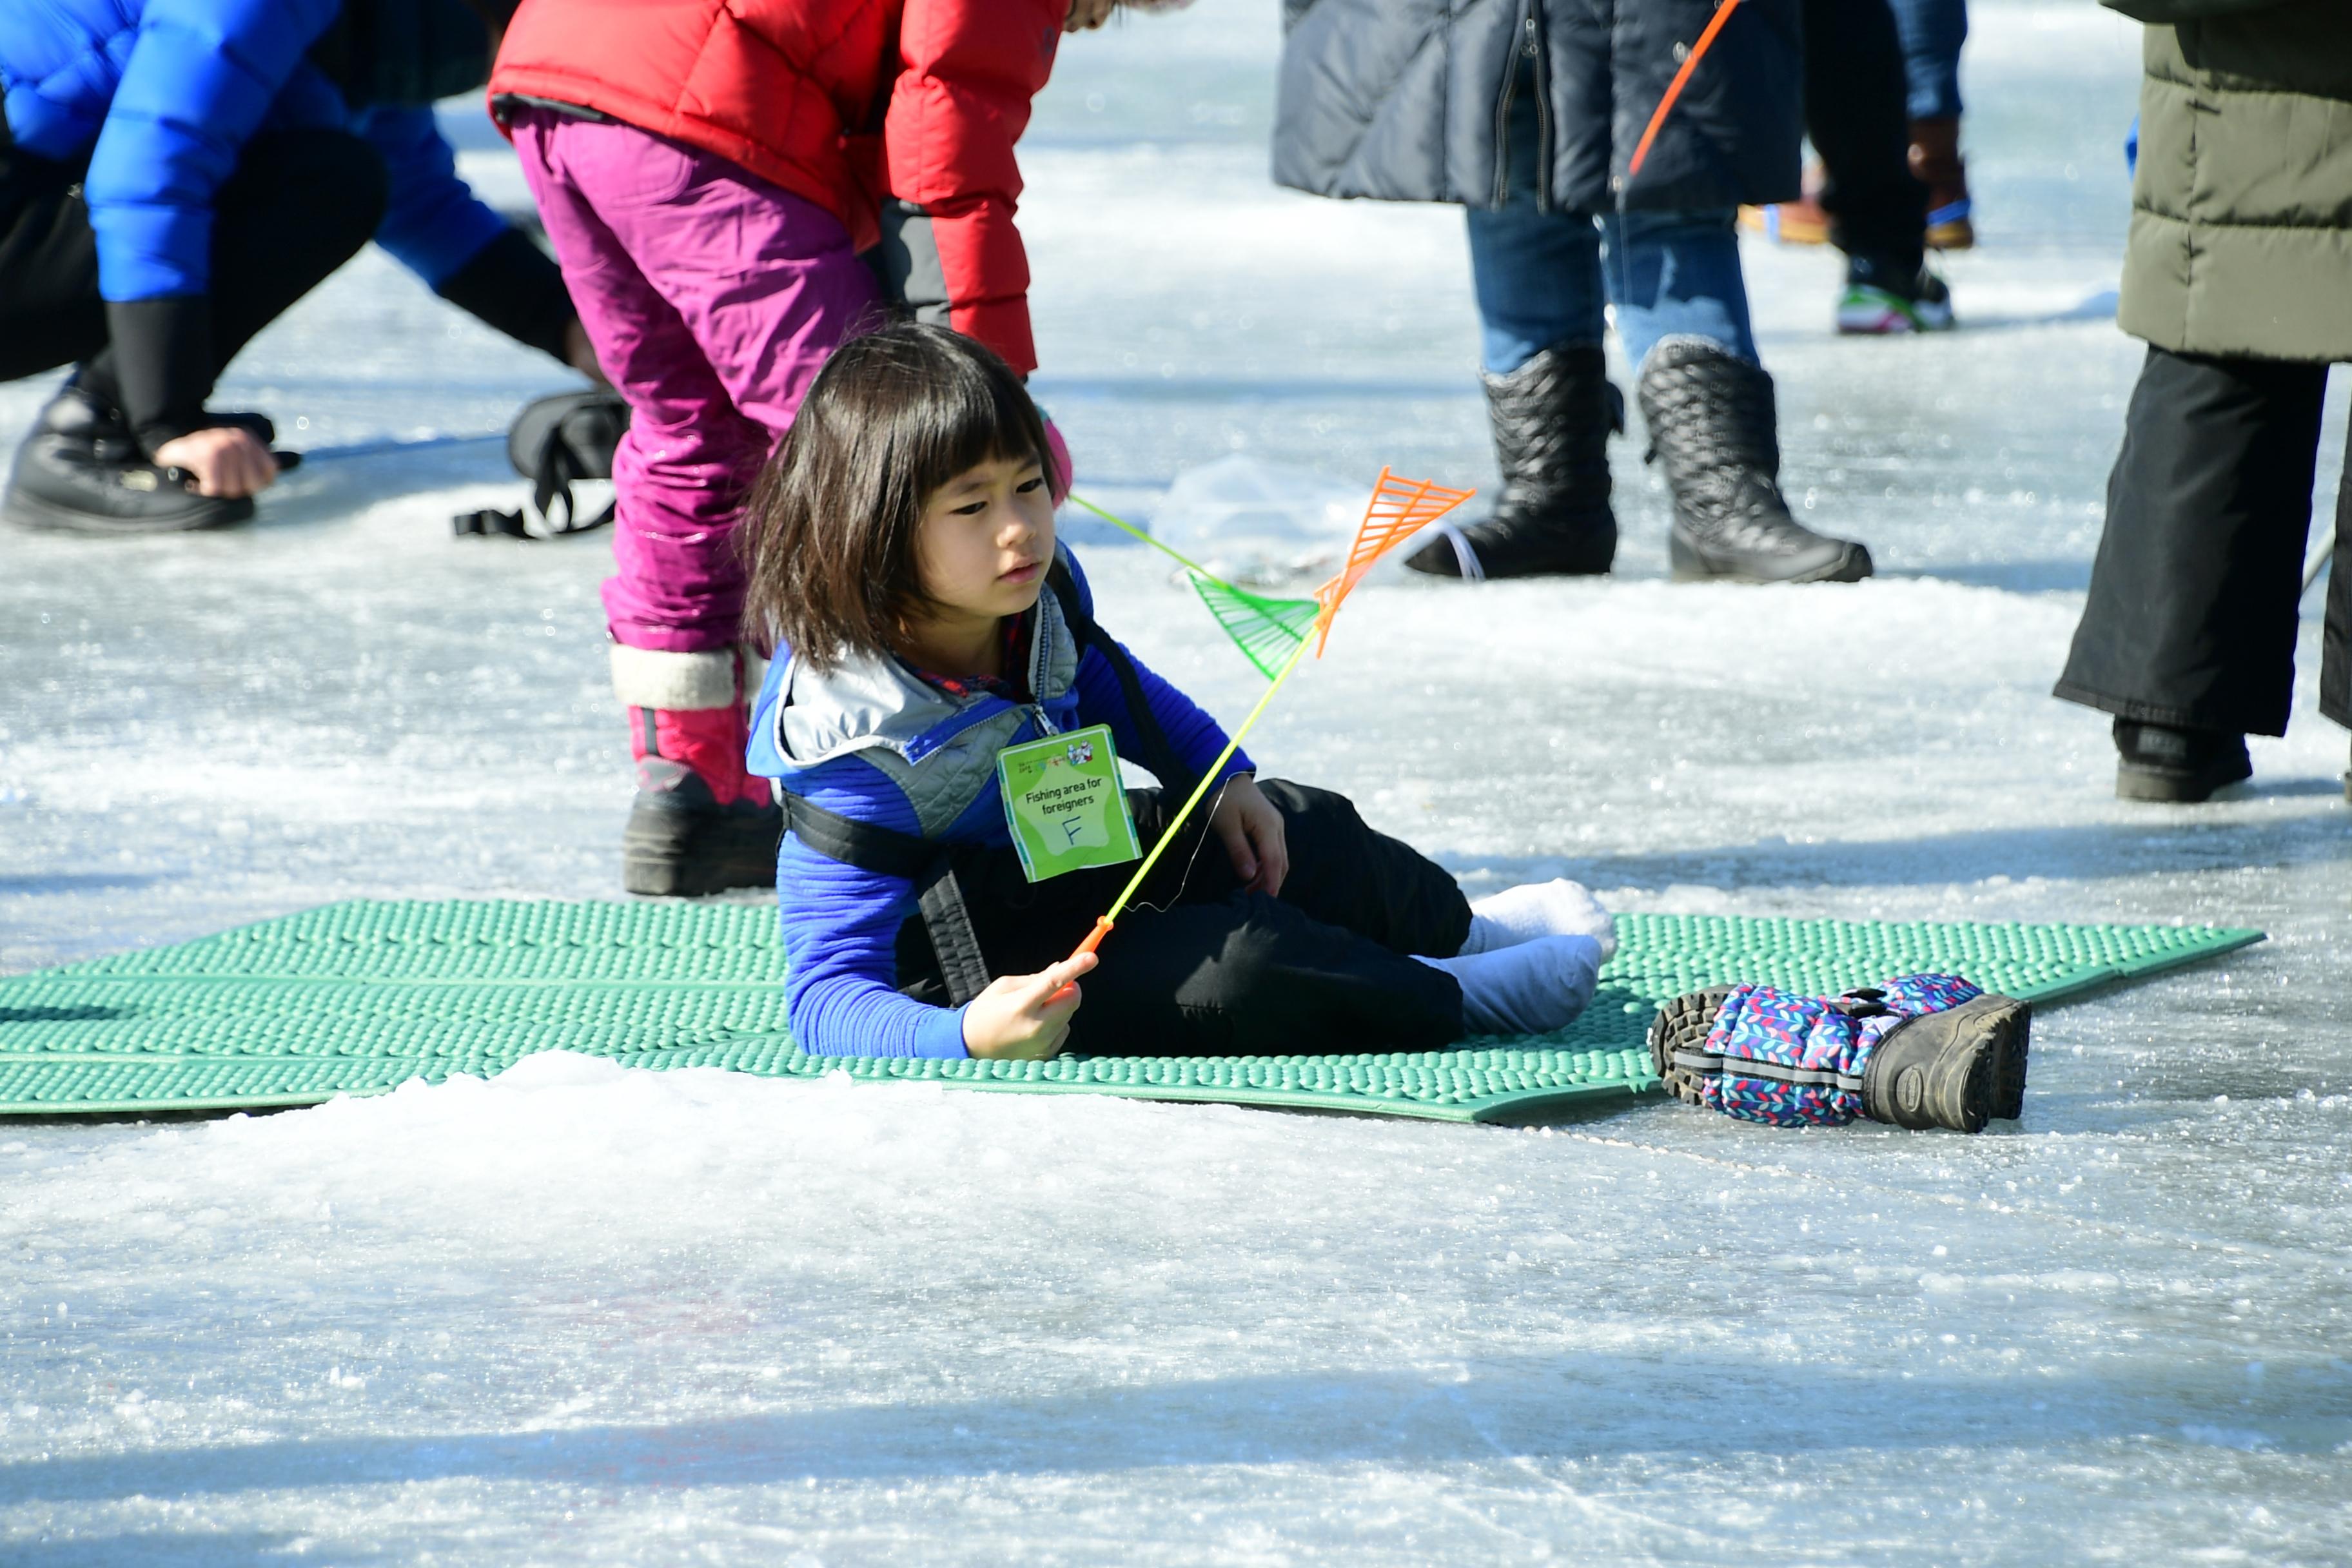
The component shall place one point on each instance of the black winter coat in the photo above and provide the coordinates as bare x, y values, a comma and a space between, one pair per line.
1405, 100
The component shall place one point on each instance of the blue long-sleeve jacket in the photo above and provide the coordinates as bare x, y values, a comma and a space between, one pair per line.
161, 96
872, 741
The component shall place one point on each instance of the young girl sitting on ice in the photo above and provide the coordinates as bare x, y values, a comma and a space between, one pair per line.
903, 557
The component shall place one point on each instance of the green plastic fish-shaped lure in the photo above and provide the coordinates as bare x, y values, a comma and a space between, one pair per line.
1265, 630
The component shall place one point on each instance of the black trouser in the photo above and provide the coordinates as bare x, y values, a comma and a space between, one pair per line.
1855, 94
2193, 609
1198, 967
298, 205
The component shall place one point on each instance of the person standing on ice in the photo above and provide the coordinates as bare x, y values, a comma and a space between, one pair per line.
1526, 113
932, 632
173, 175
709, 176
1868, 193
2237, 274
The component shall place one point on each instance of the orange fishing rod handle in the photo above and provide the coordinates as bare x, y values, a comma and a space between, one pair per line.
1094, 941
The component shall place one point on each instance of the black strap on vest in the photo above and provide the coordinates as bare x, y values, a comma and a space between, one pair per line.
886, 852
938, 891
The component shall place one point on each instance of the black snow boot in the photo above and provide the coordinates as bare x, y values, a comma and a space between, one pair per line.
2158, 761
1711, 420
81, 472
680, 842
1958, 1069
1552, 419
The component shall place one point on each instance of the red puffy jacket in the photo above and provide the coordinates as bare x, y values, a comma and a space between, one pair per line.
836, 100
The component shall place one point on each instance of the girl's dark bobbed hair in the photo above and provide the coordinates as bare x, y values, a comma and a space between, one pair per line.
832, 521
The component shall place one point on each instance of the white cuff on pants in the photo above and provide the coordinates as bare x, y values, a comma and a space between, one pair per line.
647, 677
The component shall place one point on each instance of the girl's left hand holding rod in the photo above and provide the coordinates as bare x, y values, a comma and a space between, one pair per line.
1252, 829
1025, 1017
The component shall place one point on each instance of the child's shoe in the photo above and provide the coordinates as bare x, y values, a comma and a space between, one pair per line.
1678, 1052
1926, 1050
1946, 1064
701, 823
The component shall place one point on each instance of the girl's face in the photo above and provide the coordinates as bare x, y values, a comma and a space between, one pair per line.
987, 540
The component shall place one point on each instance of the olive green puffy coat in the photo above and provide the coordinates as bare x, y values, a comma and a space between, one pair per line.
2242, 208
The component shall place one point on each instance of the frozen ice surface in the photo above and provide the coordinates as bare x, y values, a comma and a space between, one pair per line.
579, 1316
1241, 516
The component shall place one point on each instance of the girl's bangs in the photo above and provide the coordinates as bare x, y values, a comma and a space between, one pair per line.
958, 413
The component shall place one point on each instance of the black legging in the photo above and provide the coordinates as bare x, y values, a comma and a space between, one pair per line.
298, 205
1198, 967
1855, 99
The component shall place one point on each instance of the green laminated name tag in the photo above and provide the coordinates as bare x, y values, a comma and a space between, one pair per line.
1066, 804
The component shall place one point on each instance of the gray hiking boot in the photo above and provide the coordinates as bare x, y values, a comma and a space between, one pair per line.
1956, 1069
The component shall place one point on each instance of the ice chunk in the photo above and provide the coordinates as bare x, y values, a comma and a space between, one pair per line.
1255, 521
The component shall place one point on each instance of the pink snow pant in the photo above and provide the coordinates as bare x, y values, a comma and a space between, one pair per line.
711, 297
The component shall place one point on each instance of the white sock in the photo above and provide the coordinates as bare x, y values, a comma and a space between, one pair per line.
1557, 907
1532, 988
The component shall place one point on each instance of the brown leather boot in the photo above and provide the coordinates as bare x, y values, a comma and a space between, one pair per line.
1935, 163
1801, 222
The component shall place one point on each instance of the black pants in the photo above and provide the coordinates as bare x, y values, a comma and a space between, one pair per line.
1855, 94
2193, 607
1198, 967
299, 204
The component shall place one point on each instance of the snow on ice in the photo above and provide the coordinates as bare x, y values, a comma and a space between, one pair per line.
581, 1315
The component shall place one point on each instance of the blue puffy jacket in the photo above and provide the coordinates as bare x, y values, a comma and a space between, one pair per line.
162, 95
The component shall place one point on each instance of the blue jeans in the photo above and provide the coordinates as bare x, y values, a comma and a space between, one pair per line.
1933, 31
1542, 278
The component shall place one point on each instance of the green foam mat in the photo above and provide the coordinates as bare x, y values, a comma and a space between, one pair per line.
358, 997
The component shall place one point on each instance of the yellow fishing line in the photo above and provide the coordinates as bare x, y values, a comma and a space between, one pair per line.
1174, 554
1168, 836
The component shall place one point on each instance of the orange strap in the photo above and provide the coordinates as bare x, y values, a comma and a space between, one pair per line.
1674, 88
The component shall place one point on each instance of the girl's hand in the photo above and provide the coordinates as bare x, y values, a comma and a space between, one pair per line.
1086, 16
1025, 1017
1252, 829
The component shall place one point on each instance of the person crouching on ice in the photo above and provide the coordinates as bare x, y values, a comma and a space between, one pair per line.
925, 620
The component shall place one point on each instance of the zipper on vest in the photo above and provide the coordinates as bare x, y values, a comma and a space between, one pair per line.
1529, 47
1534, 50
1503, 114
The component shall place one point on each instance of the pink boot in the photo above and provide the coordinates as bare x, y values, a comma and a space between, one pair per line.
700, 824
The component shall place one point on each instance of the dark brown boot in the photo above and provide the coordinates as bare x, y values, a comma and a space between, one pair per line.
1935, 163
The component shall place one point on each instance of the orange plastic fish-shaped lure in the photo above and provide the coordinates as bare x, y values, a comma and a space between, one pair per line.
1399, 509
